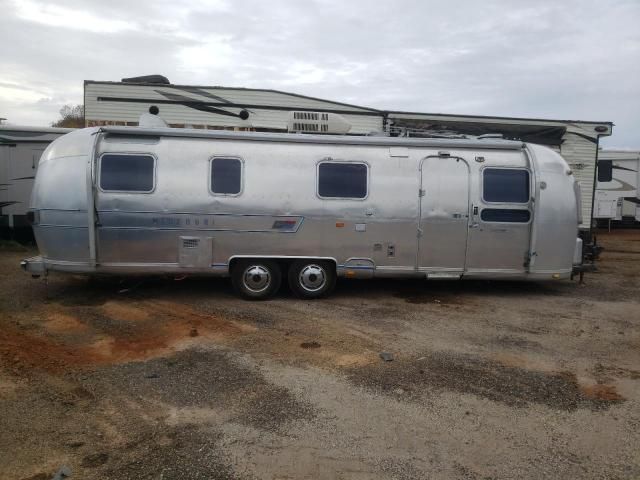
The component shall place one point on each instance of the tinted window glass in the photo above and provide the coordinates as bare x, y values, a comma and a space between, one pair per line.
342, 180
128, 173
506, 185
605, 170
505, 215
226, 176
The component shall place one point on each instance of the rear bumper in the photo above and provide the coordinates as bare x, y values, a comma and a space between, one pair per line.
34, 265
585, 267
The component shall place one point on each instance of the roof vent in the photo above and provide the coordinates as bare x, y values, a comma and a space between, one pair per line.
317, 122
157, 79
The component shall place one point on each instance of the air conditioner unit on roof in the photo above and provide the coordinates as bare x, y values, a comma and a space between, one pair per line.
317, 122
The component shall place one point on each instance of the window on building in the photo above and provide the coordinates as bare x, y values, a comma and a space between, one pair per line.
505, 215
226, 176
342, 180
505, 185
605, 170
127, 172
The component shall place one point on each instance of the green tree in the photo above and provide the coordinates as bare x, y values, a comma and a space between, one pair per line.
72, 116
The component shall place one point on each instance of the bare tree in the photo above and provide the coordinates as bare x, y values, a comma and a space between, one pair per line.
72, 117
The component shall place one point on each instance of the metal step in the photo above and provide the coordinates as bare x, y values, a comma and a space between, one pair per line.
444, 276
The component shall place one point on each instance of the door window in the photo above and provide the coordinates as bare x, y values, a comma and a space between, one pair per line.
505, 215
505, 185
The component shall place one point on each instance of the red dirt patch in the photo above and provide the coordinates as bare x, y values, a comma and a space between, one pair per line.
158, 328
22, 350
605, 393
61, 322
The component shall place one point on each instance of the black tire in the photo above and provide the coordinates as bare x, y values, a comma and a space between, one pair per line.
312, 278
256, 279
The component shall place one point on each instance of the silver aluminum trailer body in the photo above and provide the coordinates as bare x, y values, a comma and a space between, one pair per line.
20, 151
617, 197
423, 208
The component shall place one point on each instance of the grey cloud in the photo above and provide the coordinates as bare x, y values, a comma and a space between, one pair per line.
570, 59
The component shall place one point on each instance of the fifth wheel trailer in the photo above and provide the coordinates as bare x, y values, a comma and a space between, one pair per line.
617, 196
262, 206
20, 151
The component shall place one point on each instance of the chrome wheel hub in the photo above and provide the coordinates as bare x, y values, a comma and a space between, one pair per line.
256, 278
312, 278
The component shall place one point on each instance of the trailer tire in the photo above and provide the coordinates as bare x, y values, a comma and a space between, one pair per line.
312, 278
256, 279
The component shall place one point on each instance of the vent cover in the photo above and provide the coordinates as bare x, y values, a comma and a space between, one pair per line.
190, 242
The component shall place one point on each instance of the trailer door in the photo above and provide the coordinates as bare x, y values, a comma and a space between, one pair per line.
499, 230
444, 215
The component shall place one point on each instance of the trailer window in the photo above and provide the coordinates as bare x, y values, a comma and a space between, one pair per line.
226, 176
505, 185
505, 215
605, 170
342, 180
126, 172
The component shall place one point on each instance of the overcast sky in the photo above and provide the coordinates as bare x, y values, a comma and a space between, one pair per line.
544, 59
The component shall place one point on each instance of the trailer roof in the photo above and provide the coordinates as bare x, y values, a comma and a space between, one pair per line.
316, 139
489, 118
30, 129
14, 134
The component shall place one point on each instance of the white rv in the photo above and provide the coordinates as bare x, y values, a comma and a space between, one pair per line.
20, 151
617, 197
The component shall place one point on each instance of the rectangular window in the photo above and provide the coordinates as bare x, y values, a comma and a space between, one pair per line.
123, 172
226, 176
505, 215
342, 180
605, 170
505, 185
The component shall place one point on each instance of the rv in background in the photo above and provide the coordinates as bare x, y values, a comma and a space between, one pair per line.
20, 151
617, 199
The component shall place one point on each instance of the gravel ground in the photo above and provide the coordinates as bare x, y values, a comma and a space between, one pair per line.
164, 379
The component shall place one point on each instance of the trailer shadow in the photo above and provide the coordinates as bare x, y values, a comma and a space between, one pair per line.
448, 292
93, 291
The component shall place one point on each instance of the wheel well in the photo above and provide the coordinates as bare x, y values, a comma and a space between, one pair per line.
283, 262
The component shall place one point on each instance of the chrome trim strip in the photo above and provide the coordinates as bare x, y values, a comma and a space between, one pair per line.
185, 229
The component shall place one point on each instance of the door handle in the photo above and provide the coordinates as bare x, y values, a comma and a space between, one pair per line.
474, 225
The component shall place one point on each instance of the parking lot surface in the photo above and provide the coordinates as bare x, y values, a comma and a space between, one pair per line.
166, 379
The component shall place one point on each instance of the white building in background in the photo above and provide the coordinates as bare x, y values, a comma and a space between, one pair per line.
119, 103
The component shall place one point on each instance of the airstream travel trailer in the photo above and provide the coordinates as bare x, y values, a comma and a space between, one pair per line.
262, 206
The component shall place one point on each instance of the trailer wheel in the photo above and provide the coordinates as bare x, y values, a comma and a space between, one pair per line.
312, 278
256, 279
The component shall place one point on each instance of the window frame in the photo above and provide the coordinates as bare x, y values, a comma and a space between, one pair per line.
609, 169
210, 179
491, 167
136, 154
347, 162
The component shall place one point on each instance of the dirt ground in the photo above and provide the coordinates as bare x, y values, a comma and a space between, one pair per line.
166, 379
